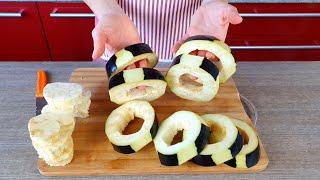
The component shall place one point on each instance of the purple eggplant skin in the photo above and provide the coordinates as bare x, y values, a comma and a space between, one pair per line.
127, 149
168, 160
176, 60
116, 80
138, 49
200, 143
154, 128
201, 37
206, 160
111, 65
206, 65
135, 49
123, 149
149, 73
210, 68
203, 138
251, 159
237, 145
203, 160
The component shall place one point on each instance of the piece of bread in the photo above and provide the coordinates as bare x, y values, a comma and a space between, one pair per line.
53, 153
67, 96
63, 158
48, 128
51, 133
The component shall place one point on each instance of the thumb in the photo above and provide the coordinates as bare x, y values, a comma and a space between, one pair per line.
233, 15
99, 39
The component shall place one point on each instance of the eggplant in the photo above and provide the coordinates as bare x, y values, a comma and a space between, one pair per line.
124, 86
208, 38
227, 141
195, 137
129, 55
206, 85
249, 155
201, 37
119, 119
193, 61
217, 47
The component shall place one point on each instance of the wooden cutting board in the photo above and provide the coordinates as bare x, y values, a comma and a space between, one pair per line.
94, 155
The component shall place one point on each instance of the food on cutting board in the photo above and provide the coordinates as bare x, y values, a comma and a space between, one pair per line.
129, 55
121, 117
136, 84
51, 137
224, 144
250, 152
193, 77
227, 64
207, 140
67, 96
195, 137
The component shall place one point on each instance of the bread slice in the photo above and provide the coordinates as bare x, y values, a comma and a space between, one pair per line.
62, 158
67, 96
49, 128
52, 153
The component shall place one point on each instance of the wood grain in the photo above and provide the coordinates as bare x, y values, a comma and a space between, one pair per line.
94, 155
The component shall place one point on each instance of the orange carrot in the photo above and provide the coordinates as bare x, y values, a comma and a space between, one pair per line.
41, 83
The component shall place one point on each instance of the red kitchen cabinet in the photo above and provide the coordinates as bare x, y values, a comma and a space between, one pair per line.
276, 32
22, 38
68, 29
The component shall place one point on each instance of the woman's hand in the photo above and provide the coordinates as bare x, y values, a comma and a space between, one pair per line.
113, 32
212, 18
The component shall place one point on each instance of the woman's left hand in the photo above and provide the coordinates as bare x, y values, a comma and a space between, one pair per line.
211, 18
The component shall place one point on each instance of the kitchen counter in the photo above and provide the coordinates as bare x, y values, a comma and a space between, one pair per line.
232, 1
286, 95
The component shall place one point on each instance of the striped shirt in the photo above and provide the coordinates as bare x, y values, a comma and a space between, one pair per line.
160, 23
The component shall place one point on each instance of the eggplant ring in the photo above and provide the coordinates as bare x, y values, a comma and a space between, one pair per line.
120, 118
227, 141
207, 76
209, 38
250, 152
129, 55
195, 137
218, 48
124, 86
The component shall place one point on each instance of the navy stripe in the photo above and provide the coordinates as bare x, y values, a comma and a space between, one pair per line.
237, 145
150, 73
202, 138
176, 60
116, 80
201, 37
231, 162
210, 68
253, 157
111, 65
154, 128
123, 149
203, 160
138, 49
168, 160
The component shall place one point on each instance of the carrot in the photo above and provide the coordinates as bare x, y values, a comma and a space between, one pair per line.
41, 83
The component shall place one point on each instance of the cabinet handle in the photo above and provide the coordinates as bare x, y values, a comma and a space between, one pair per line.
280, 14
276, 47
12, 14
71, 15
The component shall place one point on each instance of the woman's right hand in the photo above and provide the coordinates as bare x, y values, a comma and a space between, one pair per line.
113, 32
